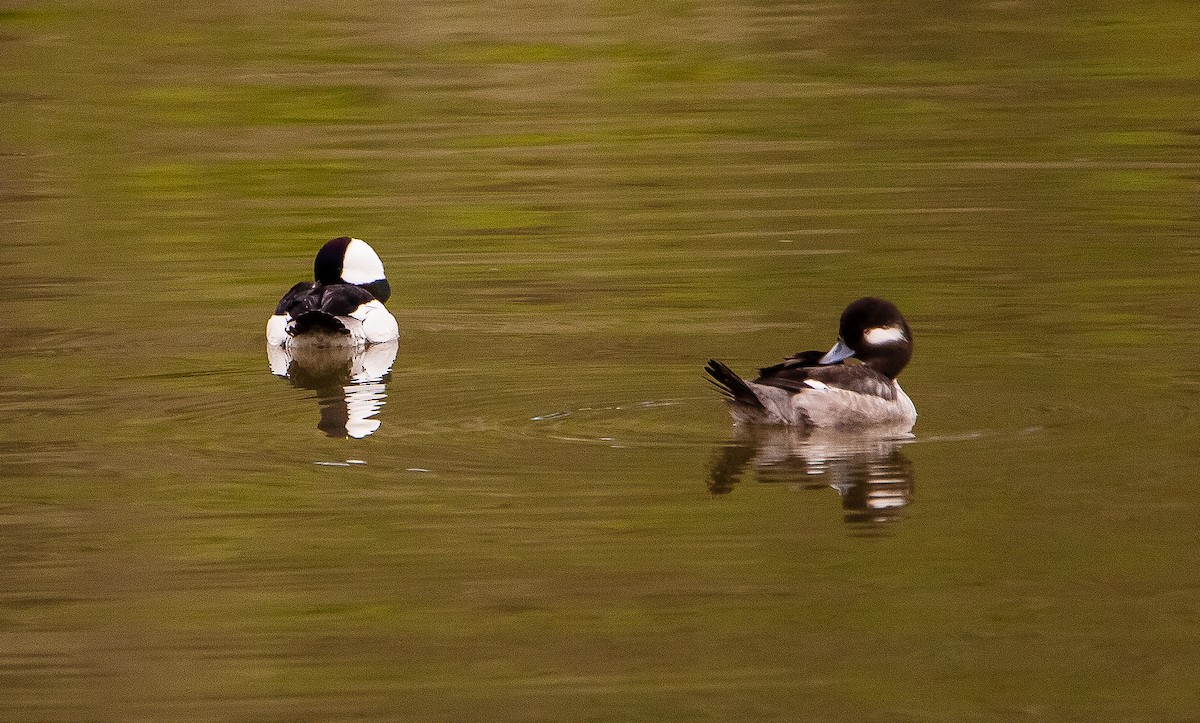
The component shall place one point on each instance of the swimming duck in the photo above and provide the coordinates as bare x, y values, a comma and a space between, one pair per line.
342, 307
816, 390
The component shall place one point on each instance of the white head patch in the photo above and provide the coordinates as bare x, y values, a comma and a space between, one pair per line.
883, 335
360, 264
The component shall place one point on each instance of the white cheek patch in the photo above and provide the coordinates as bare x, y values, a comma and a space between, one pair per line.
883, 335
360, 263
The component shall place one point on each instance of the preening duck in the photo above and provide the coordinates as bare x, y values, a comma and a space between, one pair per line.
343, 306
812, 389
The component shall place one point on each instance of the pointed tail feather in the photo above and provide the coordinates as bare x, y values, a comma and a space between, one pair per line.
730, 384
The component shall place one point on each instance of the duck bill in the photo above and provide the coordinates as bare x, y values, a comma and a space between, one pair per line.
838, 353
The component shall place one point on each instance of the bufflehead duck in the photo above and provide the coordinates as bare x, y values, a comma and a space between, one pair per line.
343, 307
811, 389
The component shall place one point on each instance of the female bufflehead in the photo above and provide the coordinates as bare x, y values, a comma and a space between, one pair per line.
343, 307
811, 389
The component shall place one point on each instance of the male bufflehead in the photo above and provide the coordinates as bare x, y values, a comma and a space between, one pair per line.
343, 307
811, 389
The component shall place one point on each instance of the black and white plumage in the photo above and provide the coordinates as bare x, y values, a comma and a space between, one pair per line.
343, 306
811, 389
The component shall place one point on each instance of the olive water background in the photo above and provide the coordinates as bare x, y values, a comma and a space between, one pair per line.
579, 203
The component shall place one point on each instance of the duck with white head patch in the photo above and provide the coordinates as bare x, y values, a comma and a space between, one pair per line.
342, 307
816, 390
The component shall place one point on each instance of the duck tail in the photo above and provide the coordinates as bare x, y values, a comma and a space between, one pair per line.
730, 384
318, 322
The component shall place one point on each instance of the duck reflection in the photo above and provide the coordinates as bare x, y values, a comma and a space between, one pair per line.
871, 474
351, 383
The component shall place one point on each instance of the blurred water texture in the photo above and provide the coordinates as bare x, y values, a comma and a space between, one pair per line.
549, 515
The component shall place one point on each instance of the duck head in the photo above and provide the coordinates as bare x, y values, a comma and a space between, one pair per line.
346, 260
874, 332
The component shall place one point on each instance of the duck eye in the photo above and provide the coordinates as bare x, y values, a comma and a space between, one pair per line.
883, 335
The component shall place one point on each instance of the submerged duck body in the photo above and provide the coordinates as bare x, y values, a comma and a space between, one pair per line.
344, 306
820, 390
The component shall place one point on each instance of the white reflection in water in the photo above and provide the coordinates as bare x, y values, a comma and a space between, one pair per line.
351, 383
870, 472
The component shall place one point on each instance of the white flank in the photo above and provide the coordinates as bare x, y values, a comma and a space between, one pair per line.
883, 335
378, 324
360, 264
277, 330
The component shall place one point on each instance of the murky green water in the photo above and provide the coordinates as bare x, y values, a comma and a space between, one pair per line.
578, 204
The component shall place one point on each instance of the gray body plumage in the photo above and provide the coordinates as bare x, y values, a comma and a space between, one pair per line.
826, 391
827, 407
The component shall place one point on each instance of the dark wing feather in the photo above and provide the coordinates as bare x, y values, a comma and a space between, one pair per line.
799, 360
294, 294
858, 378
793, 373
335, 299
343, 299
315, 307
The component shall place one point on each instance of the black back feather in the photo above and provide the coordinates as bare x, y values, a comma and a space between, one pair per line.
293, 295
799, 360
315, 307
858, 378
335, 299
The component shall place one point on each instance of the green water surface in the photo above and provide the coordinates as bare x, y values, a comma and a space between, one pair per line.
578, 204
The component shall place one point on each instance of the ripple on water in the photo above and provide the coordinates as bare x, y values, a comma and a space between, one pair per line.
635, 423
